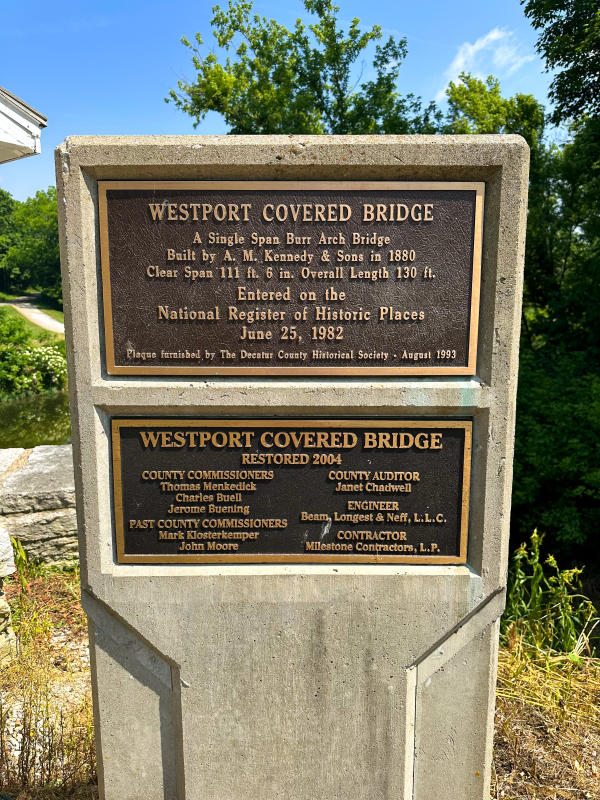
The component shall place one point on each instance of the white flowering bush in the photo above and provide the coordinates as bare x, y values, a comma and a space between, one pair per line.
31, 369
26, 367
50, 366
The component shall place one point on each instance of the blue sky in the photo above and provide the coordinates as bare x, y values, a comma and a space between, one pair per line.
104, 68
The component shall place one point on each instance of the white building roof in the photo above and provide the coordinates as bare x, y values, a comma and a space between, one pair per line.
20, 128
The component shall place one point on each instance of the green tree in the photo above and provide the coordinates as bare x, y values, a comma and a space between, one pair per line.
7, 207
476, 106
274, 80
559, 396
570, 43
33, 260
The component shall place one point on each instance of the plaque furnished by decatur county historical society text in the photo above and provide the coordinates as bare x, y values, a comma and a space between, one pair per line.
263, 491
302, 278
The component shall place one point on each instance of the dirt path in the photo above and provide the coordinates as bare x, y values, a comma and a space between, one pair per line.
25, 307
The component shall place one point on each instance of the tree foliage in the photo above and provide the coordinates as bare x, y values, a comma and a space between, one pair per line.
476, 106
7, 207
32, 259
570, 43
275, 80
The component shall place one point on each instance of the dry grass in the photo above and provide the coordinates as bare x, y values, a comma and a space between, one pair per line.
547, 742
46, 729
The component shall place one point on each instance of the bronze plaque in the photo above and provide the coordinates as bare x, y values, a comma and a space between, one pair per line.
280, 278
263, 491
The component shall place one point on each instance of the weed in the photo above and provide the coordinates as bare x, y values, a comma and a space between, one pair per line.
545, 607
43, 741
548, 693
21, 563
547, 724
46, 726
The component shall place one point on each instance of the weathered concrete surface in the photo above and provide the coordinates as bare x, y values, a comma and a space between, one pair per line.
310, 681
37, 501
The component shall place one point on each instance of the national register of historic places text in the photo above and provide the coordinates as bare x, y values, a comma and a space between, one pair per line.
306, 278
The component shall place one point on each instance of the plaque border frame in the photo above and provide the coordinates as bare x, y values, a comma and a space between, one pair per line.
286, 558
354, 371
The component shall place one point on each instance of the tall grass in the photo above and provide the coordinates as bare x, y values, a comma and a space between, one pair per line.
46, 726
548, 692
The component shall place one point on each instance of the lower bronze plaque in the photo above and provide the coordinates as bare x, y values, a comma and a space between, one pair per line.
370, 491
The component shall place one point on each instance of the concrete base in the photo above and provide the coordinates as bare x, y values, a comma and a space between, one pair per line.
299, 686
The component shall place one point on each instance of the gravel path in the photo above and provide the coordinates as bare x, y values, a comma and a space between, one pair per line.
24, 306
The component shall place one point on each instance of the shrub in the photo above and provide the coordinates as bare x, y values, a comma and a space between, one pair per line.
27, 367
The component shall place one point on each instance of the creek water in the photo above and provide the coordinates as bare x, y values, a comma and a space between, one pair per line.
34, 420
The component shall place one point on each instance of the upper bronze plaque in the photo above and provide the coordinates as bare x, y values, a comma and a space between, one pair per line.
281, 278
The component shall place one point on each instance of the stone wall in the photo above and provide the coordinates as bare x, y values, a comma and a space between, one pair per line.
37, 501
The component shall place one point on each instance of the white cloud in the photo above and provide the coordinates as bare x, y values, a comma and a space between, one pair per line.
496, 52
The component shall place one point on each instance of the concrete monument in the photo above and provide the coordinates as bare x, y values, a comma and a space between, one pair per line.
293, 367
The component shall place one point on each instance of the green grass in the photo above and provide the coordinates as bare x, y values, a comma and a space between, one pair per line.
47, 307
7, 298
40, 336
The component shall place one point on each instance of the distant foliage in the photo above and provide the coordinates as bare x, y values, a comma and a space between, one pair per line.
33, 259
476, 106
29, 251
25, 366
7, 233
557, 474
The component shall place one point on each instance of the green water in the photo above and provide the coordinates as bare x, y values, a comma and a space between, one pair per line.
36, 419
